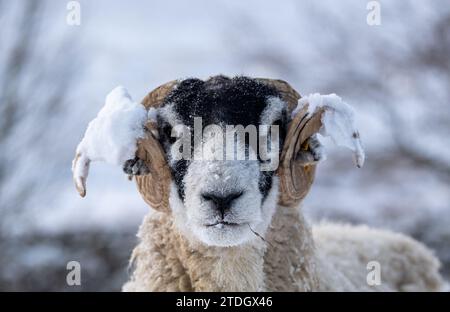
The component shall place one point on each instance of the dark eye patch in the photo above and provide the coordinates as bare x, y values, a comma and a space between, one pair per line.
179, 171
167, 130
265, 182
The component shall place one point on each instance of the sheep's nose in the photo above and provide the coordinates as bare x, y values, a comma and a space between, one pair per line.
221, 202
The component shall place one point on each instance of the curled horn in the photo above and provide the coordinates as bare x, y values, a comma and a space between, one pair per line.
155, 186
295, 177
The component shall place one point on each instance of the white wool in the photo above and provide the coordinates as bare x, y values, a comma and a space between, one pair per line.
338, 122
111, 136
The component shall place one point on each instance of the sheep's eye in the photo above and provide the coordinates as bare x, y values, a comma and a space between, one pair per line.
167, 130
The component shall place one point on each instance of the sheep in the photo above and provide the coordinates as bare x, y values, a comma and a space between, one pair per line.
331, 258
218, 225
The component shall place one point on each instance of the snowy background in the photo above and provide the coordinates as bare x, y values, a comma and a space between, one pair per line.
54, 78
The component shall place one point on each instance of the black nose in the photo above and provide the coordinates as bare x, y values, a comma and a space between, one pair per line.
221, 202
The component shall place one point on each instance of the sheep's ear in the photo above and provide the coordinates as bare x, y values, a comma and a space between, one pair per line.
154, 186
296, 177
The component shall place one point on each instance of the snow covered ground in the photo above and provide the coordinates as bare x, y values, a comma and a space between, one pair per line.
395, 75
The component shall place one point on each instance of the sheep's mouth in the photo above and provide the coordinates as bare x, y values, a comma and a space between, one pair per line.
222, 223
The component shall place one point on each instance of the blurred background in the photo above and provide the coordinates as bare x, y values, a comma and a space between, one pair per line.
54, 78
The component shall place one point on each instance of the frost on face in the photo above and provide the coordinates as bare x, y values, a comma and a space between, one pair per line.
110, 137
338, 122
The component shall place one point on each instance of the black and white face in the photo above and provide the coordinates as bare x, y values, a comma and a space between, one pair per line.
221, 201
